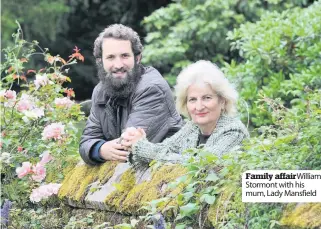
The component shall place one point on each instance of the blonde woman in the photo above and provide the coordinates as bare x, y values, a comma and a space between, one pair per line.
205, 96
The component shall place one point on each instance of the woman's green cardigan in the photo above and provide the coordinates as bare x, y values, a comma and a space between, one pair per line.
228, 133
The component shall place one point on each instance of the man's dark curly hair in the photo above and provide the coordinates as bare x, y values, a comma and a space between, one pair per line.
121, 32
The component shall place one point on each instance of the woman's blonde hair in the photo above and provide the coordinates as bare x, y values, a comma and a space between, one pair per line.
205, 72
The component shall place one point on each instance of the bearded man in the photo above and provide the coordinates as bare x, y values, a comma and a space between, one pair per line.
128, 95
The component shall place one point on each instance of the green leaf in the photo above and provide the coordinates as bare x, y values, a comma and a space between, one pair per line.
212, 177
208, 199
181, 179
180, 226
188, 195
158, 202
189, 209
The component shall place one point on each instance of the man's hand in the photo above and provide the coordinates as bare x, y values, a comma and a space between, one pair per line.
131, 136
113, 151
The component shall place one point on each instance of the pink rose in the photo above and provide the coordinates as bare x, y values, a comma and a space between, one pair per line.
44, 191
42, 80
35, 196
24, 105
52, 188
63, 102
46, 157
10, 94
53, 131
24, 170
9, 97
39, 172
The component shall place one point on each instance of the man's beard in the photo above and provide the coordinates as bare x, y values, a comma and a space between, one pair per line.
119, 87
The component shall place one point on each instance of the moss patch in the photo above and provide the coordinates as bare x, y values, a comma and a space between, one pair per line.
75, 184
77, 181
303, 216
71, 163
225, 202
106, 171
217, 209
127, 182
128, 197
151, 190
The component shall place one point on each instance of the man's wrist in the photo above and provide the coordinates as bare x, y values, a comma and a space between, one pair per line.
95, 152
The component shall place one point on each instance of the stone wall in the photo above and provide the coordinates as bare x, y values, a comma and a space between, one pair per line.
116, 187
120, 190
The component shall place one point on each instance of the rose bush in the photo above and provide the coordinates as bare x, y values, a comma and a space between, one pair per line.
38, 118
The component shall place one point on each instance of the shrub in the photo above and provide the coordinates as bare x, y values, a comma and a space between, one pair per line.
281, 58
38, 122
186, 31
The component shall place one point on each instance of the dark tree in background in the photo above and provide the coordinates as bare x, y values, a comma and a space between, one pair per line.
60, 25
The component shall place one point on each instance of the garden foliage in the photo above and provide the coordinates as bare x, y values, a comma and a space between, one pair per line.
281, 55
187, 30
38, 118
